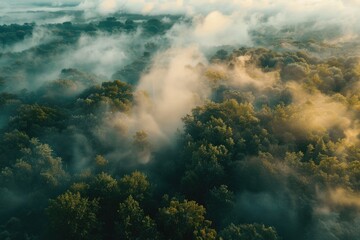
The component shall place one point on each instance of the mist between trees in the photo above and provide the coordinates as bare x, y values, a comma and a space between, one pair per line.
119, 127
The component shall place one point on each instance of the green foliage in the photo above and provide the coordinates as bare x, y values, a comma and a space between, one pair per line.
104, 186
248, 232
73, 217
185, 220
135, 185
110, 24
216, 135
12, 33
63, 91
8, 98
100, 163
205, 170
258, 174
11, 144
79, 187
130, 25
153, 26
116, 95
33, 118
295, 71
36, 167
131, 73
220, 202
230, 124
354, 174
133, 223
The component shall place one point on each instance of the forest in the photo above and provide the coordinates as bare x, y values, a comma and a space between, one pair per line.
120, 124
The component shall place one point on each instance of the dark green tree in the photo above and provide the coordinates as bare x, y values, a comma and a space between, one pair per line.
36, 168
32, 119
11, 144
73, 217
248, 232
185, 220
219, 203
136, 184
105, 188
133, 223
116, 95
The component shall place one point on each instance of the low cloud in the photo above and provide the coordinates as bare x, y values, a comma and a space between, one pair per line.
166, 93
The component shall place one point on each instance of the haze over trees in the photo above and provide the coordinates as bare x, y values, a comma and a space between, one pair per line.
116, 126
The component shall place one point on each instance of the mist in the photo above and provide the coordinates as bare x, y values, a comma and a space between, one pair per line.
250, 108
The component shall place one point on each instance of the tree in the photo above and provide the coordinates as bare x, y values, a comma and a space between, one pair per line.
105, 188
216, 135
36, 168
205, 171
73, 217
153, 26
219, 203
130, 25
295, 71
248, 232
117, 95
31, 119
11, 144
185, 220
136, 185
232, 124
100, 161
133, 224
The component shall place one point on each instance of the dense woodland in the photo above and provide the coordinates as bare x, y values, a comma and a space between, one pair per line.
272, 151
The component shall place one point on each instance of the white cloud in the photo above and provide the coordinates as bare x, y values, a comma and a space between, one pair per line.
165, 94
